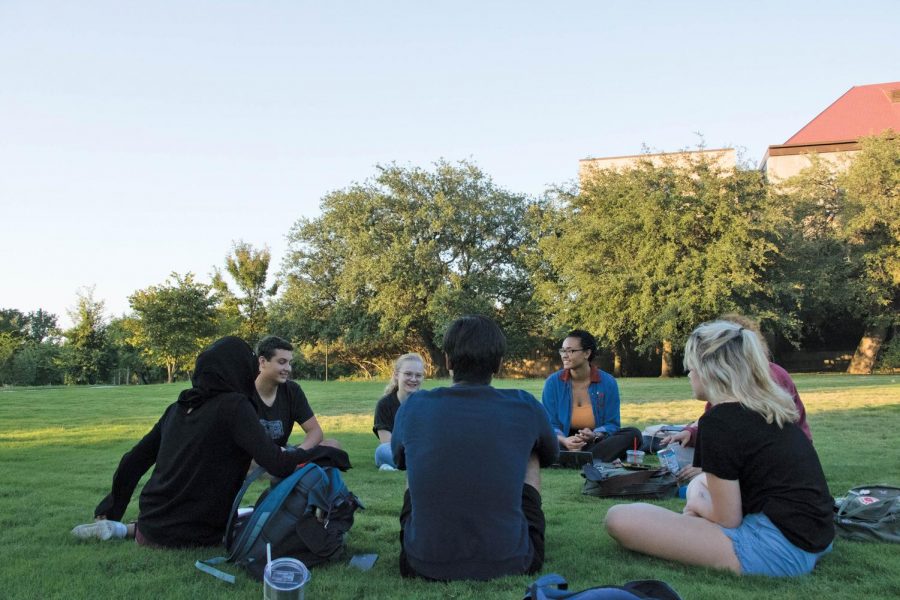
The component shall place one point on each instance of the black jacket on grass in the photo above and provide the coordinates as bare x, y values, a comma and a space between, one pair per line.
202, 447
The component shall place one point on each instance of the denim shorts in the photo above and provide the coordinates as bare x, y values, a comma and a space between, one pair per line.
762, 549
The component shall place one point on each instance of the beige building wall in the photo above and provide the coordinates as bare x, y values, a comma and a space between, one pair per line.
724, 158
781, 166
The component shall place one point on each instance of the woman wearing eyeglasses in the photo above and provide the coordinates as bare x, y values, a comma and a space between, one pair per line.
407, 378
582, 403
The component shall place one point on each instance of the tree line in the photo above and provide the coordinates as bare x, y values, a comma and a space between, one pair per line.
637, 256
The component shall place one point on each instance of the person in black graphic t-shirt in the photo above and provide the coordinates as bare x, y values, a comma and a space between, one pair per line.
280, 401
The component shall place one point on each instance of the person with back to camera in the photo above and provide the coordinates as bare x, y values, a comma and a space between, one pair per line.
472, 454
688, 435
407, 377
762, 505
583, 403
281, 401
201, 448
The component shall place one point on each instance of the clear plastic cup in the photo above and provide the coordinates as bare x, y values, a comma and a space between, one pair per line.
635, 457
668, 457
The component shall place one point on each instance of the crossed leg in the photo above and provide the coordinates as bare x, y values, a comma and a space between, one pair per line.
667, 534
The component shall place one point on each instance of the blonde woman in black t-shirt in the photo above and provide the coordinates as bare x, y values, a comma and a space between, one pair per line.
762, 505
407, 378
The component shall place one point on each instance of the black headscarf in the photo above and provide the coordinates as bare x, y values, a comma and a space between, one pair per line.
229, 365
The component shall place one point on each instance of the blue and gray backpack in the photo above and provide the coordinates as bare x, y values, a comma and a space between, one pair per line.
304, 516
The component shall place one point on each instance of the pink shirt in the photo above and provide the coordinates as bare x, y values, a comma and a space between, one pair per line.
783, 379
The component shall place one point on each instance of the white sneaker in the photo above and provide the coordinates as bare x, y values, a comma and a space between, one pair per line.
386, 467
101, 530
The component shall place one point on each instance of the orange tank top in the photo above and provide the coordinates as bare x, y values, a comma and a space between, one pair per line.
582, 416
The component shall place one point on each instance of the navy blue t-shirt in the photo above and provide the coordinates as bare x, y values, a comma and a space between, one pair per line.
465, 449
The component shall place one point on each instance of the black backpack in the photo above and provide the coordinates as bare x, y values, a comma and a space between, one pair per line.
304, 516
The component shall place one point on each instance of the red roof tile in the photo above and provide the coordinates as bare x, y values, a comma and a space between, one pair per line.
863, 110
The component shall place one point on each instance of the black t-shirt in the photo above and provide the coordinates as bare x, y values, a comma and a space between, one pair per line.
290, 406
386, 412
778, 470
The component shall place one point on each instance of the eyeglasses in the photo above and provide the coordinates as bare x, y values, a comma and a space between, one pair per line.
568, 351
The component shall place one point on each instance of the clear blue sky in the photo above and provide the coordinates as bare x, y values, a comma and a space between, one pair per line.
139, 138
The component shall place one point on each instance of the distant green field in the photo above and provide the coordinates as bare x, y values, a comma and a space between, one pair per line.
60, 446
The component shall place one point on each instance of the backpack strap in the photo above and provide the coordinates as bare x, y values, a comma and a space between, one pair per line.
229, 531
207, 567
548, 586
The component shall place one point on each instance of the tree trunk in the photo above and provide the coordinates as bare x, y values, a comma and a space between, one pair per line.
867, 351
617, 363
436, 355
170, 371
665, 369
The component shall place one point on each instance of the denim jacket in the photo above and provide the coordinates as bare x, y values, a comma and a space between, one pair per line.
603, 393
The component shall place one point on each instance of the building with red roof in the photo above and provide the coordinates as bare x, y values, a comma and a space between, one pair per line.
834, 134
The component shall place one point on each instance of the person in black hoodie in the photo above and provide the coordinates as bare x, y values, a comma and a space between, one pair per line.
201, 448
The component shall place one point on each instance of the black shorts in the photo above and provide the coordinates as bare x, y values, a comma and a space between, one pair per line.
534, 514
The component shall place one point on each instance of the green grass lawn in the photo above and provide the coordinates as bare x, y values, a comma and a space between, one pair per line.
60, 446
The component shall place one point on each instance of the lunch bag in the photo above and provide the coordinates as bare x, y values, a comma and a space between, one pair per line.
608, 481
304, 516
869, 513
553, 587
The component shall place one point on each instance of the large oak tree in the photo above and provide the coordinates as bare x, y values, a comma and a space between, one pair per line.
391, 261
640, 256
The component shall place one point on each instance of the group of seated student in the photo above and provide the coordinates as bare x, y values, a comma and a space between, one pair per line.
240, 410
473, 453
